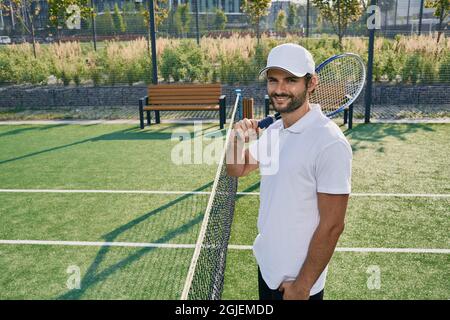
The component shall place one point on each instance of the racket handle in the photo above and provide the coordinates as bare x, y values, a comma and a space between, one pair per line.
264, 123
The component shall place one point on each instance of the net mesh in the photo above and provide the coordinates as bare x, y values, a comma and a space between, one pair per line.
206, 274
339, 81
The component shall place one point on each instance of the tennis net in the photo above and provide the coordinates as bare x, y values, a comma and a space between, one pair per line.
206, 272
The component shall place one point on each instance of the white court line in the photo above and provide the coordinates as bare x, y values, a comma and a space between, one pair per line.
99, 244
387, 250
102, 191
418, 195
192, 246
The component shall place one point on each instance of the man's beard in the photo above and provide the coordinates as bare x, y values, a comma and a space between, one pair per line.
295, 102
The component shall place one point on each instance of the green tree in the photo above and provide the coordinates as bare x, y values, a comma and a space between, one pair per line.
339, 13
255, 10
182, 19
104, 22
58, 14
220, 20
280, 22
127, 14
26, 12
161, 13
292, 18
442, 8
119, 24
444, 70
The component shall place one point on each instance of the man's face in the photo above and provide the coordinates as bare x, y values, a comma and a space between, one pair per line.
287, 92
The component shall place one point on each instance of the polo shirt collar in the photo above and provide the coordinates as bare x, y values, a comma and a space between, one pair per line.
306, 121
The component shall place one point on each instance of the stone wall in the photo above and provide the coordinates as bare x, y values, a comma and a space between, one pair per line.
49, 97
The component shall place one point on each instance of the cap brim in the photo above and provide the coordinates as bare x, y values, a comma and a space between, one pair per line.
263, 72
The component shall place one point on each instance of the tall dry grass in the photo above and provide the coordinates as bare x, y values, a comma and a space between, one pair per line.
119, 62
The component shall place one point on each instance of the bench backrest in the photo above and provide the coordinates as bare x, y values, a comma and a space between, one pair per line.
193, 94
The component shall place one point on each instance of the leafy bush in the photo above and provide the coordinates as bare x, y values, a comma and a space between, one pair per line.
377, 69
5, 69
95, 74
133, 72
235, 60
260, 56
444, 70
147, 69
389, 68
236, 69
428, 74
171, 65
185, 62
412, 69
64, 76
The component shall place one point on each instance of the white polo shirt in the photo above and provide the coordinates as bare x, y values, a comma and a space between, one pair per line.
310, 156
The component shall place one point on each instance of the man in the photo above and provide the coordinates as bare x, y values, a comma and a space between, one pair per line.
305, 165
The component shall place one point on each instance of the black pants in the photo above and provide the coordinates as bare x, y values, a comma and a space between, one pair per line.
265, 293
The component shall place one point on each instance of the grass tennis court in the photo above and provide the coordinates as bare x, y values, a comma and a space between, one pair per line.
408, 160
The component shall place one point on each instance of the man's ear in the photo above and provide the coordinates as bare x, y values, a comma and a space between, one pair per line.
312, 85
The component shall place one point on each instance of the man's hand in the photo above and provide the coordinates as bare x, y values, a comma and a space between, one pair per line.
245, 129
292, 292
239, 160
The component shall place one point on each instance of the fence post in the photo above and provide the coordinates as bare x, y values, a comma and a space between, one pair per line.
420, 16
368, 95
350, 116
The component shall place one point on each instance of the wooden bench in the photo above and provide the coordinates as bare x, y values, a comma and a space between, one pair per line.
178, 97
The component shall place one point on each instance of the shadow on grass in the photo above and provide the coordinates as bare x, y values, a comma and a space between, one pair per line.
153, 133
97, 273
27, 129
377, 132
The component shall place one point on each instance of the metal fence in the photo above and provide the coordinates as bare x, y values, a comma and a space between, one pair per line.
66, 75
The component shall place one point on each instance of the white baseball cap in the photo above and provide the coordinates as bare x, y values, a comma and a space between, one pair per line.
291, 58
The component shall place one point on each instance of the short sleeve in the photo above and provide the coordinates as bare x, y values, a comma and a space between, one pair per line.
333, 168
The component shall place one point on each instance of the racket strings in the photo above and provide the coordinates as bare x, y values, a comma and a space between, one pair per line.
339, 81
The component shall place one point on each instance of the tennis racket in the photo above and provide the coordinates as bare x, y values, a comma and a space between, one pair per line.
341, 80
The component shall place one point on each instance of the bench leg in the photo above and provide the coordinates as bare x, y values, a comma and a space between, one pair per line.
157, 119
141, 114
221, 118
222, 112
148, 118
345, 116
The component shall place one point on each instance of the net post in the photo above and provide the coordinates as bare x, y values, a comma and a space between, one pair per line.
266, 105
248, 108
240, 111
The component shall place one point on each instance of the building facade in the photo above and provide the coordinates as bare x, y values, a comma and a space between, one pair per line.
232, 8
